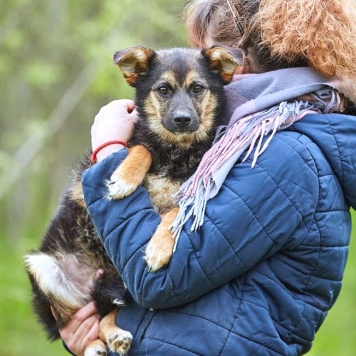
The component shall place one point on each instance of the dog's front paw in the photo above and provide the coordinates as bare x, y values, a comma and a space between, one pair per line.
130, 174
156, 257
119, 341
119, 187
159, 250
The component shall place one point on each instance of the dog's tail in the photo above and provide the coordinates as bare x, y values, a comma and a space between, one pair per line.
321, 31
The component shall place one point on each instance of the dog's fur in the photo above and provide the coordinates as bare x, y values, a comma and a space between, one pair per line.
179, 95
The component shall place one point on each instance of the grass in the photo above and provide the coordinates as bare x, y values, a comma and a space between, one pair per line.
22, 335
20, 332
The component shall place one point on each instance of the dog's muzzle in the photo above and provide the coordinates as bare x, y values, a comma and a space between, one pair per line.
181, 122
185, 123
181, 116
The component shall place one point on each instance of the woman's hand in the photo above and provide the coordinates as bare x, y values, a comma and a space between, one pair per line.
82, 329
115, 121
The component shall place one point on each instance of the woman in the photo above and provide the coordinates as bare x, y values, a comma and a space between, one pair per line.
255, 271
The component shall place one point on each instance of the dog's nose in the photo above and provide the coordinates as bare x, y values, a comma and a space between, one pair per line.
182, 121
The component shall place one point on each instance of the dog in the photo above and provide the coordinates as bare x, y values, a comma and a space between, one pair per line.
179, 96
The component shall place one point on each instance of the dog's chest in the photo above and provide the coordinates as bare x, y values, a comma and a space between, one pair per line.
161, 190
175, 164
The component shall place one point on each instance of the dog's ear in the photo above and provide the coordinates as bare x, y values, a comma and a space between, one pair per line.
224, 60
133, 61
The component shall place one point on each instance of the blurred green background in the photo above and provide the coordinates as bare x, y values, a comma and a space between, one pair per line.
55, 73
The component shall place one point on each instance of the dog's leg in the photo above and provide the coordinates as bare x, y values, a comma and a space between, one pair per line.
118, 340
130, 174
160, 248
96, 348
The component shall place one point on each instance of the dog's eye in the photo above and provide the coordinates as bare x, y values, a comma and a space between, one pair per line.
163, 90
197, 89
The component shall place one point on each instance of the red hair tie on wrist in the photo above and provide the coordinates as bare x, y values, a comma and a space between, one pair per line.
94, 154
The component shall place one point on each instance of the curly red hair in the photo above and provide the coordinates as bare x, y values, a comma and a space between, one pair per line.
321, 31
279, 33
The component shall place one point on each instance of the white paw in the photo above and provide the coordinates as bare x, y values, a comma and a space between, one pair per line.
118, 189
156, 258
96, 350
120, 341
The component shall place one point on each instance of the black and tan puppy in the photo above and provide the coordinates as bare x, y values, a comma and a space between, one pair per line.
179, 95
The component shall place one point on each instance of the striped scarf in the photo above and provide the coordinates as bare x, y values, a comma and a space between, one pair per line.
259, 105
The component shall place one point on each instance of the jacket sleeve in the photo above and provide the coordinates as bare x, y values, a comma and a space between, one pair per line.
256, 213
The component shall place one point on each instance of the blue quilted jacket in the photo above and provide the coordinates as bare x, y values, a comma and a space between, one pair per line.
261, 274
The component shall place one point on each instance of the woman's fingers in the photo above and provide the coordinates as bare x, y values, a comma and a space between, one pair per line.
82, 329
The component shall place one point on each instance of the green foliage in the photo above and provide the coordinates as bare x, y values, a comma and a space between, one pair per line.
55, 73
20, 332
